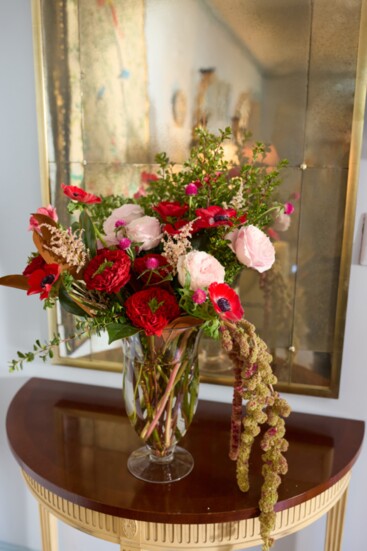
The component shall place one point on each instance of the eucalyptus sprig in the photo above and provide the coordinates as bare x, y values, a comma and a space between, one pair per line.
44, 351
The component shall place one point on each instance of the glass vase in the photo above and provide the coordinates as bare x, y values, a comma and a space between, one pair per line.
160, 389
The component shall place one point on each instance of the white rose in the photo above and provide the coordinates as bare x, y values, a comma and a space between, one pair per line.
120, 217
252, 247
145, 230
203, 269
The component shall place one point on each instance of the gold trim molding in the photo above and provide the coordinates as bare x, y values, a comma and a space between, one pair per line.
140, 535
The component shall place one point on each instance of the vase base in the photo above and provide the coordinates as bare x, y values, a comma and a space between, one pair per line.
161, 471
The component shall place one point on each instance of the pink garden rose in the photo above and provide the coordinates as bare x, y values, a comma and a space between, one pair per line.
145, 230
119, 218
202, 268
252, 247
49, 211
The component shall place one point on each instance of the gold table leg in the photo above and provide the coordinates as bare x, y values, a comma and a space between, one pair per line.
335, 524
48, 530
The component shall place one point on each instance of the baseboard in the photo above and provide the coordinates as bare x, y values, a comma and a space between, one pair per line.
11, 547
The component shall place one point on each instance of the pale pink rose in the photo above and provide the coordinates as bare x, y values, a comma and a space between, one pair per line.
282, 222
252, 247
202, 268
145, 230
49, 211
119, 218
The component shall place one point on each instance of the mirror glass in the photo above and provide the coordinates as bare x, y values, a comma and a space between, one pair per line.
121, 81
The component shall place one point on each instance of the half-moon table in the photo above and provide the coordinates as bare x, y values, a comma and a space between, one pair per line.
72, 442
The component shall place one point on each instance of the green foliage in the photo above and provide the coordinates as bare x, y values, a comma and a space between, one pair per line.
88, 233
69, 304
43, 351
117, 331
206, 160
203, 311
219, 179
211, 328
218, 247
113, 312
73, 207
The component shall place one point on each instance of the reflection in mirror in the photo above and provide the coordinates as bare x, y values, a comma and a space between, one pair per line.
124, 80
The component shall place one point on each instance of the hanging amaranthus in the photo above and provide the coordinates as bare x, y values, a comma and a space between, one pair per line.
253, 382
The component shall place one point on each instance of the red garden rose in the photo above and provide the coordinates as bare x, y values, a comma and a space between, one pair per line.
152, 268
42, 280
170, 209
226, 302
108, 271
36, 263
152, 309
78, 194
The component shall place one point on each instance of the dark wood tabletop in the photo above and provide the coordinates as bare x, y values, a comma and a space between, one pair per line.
75, 439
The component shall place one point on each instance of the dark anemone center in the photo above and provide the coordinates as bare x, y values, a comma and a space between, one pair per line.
223, 305
220, 217
75, 194
50, 278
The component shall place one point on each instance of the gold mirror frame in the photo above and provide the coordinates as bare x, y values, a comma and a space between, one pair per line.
179, 108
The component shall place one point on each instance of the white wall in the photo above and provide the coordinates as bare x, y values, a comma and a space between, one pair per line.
22, 319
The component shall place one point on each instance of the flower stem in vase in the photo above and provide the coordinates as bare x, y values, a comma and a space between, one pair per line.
149, 427
168, 429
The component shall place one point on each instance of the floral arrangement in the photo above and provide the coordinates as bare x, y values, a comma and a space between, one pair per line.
171, 253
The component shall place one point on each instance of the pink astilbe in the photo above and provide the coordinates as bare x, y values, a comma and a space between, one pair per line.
177, 245
67, 246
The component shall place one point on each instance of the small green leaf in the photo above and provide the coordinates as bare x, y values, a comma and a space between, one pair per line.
89, 234
118, 331
74, 226
68, 304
